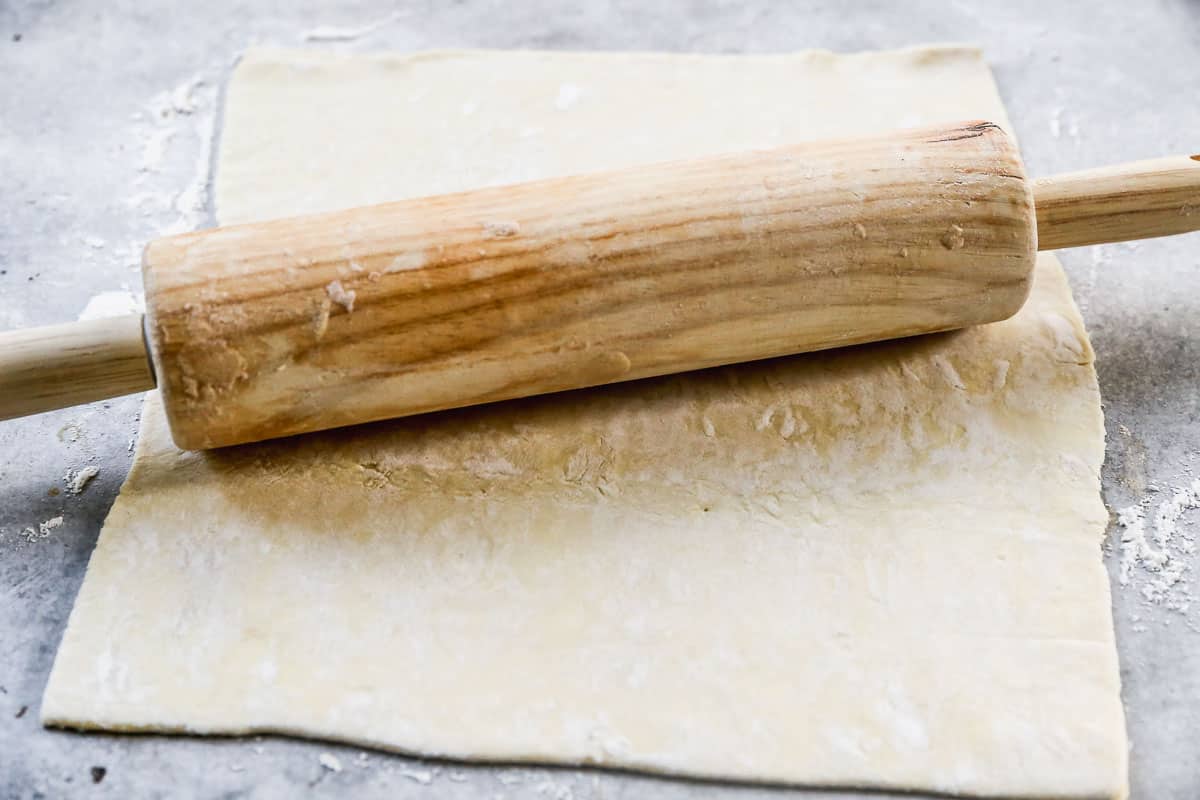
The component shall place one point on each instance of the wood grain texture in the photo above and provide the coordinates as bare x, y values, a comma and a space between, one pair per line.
56, 366
1139, 200
283, 327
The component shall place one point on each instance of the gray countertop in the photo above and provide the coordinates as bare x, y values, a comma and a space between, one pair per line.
106, 116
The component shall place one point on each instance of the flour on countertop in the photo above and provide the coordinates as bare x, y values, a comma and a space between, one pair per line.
180, 101
1154, 548
510, 777
554, 790
155, 149
113, 304
78, 479
71, 432
43, 529
421, 776
1056, 124
331, 33
168, 108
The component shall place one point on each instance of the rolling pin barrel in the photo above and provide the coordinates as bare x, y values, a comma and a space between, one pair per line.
275, 328
283, 327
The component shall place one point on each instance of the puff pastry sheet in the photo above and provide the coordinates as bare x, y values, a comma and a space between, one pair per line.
877, 567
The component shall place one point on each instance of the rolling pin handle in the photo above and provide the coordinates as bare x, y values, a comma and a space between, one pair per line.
1139, 200
55, 366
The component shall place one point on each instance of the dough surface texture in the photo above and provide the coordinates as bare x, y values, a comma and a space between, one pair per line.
877, 567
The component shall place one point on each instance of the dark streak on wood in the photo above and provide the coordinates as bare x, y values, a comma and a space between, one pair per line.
969, 132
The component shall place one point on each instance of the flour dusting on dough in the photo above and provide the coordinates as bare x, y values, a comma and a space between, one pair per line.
1067, 346
742, 556
1001, 378
766, 418
949, 373
789, 423
568, 96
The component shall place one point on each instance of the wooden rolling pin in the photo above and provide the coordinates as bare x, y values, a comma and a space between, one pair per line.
276, 328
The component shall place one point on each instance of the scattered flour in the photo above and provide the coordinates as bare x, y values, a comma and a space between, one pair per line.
77, 480
340, 295
1153, 548
1056, 124
43, 529
421, 776
177, 102
1067, 347
949, 373
331, 33
1001, 377
183, 97
330, 762
509, 777
789, 423
766, 418
172, 120
113, 304
156, 148
554, 790
568, 96
413, 259
501, 230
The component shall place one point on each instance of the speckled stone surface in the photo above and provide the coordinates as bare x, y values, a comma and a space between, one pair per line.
106, 115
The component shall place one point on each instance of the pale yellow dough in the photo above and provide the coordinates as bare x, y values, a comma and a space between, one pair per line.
877, 567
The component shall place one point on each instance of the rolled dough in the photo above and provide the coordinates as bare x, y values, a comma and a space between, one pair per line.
877, 567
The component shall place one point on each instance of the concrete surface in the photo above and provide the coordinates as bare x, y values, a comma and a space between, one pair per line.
105, 114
